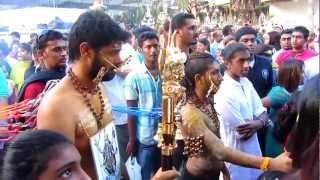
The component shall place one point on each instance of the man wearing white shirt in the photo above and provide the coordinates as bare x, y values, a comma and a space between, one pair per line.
240, 109
311, 68
115, 89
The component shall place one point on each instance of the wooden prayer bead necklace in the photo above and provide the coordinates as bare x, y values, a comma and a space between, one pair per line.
84, 91
80, 86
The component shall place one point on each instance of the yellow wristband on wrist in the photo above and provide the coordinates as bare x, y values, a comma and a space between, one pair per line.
264, 166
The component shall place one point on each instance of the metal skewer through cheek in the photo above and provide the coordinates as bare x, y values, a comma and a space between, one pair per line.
117, 68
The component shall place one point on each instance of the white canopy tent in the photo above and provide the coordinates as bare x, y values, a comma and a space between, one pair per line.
26, 20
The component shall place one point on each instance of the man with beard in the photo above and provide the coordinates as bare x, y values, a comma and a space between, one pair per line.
52, 53
143, 90
185, 29
77, 106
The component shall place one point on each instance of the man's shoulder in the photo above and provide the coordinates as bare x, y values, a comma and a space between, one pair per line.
137, 74
34, 87
262, 59
245, 81
311, 52
226, 90
313, 60
57, 94
56, 104
286, 52
263, 62
35, 84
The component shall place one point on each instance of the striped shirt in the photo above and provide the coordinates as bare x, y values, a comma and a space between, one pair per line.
140, 85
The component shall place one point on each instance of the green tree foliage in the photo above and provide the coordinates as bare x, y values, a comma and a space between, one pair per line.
182, 4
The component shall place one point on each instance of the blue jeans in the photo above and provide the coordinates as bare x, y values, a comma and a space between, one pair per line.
149, 158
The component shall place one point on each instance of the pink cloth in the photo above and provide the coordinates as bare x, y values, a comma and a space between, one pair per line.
304, 55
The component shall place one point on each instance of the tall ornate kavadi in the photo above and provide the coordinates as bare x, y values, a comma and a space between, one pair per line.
172, 72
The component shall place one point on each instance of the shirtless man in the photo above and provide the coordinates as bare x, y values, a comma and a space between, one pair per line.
77, 106
202, 80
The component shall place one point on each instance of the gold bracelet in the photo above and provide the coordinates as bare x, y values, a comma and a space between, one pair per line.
264, 166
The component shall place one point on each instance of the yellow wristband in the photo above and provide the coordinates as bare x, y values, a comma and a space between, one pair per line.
264, 166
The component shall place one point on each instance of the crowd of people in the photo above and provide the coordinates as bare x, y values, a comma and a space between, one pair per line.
253, 95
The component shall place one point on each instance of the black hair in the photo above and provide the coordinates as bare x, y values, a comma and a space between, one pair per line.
286, 31
243, 31
263, 50
227, 30
229, 51
274, 37
29, 153
197, 63
15, 34
302, 30
97, 29
166, 25
4, 48
48, 35
179, 20
141, 29
26, 47
148, 35
227, 39
286, 118
205, 42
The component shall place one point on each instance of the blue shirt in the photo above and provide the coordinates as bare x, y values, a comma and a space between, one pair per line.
140, 85
140, 57
4, 89
5, 67
214, 48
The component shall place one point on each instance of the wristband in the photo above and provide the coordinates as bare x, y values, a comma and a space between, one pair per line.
264, 166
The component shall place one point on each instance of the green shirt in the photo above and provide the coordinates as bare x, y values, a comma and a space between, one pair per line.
278, 96
17, 73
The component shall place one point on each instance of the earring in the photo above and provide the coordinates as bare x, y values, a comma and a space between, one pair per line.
100, 75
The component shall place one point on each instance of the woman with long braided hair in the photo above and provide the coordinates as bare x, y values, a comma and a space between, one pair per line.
200, 127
